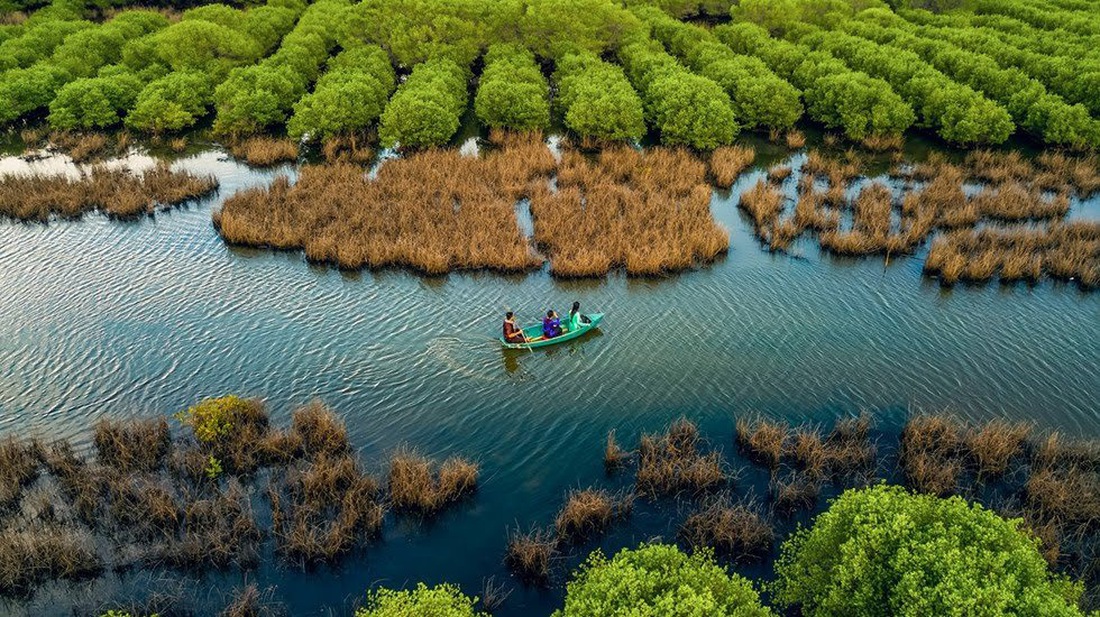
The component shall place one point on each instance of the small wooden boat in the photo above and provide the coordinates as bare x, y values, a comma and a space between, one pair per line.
535, 339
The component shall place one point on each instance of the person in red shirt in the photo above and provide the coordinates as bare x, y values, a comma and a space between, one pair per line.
512, 332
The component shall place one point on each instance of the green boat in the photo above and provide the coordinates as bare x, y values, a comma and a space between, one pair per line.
536, 340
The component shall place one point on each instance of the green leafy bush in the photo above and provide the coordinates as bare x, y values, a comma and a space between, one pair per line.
213, 418
37, 42
597, 100
255, 97
94, 102
658, 580
513, 93
439, 601
885, 551
347, 98
172, 102
686, 108
835, 95
427, 108
760, 98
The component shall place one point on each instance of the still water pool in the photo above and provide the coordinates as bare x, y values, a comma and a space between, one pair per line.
102, 318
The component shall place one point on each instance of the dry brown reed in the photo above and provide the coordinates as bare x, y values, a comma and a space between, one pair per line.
809, 451
762, 439
648, 212
614, 457
19, 463
81, 147
882, 143
929, 453
39, 553
728, 162
779, 173
116, 192
323, 509
434, 212
672, 463
993, 445
177, 144
416, 486
264, 151
734, 530
795, 139
530, 554
216, 530
764, 203
348, 149
1013, 202
794, 491
586, 513
132, 445
1064, 251
247, 601
320, 430
1059, 170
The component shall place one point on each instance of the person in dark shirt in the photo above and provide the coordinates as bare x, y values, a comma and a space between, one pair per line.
512, 332
551, 325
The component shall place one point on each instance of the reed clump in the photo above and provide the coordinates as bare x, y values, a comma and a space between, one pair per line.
764, 203
529, 555
994, 444
728, 162
265, 151
31, 556
323, 509
794, 491
795, 139
417, 486
248, 601
882, 143
433, 212
115, 192
929, 453
614, 457
672, 462
19, 463
779, 173
132, 445
647, 212
735, 530
1063, 251
762, 439
216, 530
320, 431
81, 147
1013, 202
347, 148
590, 512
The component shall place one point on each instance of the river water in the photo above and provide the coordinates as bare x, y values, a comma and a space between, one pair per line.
124, 319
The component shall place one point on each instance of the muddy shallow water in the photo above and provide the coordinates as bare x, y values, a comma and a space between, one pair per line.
125, 319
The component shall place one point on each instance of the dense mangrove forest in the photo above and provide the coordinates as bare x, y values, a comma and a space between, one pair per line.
255, 256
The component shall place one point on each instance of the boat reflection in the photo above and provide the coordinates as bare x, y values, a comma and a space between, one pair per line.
511, 357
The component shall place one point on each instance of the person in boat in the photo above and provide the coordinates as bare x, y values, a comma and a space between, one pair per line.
551, 325
512, 332
576, 319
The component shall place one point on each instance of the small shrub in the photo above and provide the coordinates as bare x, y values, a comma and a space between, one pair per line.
641, 581
883, 550
439, 601
214, 418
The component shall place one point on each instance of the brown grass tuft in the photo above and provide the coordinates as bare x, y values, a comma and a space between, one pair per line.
586, 513
671, 463
115, 192
31, 556
614, 457
737, 531
321, 431
795, 491
132, 445
415, 486
993, 444
265, 151
761, 439
18, 467
728, 162
795, 139
529, 554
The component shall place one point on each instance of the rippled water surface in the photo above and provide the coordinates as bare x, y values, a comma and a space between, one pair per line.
101, 318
